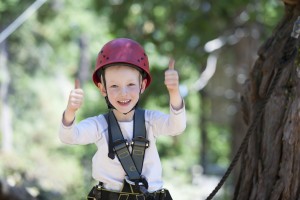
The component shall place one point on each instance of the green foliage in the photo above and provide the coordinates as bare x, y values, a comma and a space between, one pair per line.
220, 152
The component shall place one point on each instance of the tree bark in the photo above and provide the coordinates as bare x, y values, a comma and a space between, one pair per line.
270, 165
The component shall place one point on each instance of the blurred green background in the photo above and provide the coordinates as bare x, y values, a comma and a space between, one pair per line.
214, 44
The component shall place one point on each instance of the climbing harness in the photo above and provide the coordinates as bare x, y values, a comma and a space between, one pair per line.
118, 145
132, 163
290, 52
129, 192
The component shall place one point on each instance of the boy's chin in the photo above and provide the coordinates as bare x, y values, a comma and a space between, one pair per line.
125, 111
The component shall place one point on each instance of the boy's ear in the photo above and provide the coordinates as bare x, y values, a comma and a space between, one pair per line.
144, 83
102, 89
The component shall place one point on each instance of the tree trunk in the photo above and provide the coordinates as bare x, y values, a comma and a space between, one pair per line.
83, 73
270, 165
245, 57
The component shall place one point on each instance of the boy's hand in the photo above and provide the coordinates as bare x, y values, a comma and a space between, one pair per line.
172, 78
75, 98
172, 84
74, 103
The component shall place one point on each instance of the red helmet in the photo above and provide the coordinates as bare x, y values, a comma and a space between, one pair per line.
125, 51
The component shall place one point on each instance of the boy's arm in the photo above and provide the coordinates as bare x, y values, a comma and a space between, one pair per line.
172, 84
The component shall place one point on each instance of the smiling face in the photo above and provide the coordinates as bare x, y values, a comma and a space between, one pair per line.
123, 87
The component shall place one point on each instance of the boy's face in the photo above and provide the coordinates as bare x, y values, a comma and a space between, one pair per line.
123, 85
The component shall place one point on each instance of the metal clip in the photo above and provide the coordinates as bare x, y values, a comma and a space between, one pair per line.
98, 187
97, 191
162, 194
140, 141
296, 29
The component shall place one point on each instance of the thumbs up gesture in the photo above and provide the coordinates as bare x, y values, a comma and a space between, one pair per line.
172, 78
172, 84
74, 103
75, 97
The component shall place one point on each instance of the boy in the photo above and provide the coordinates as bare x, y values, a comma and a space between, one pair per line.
125, 171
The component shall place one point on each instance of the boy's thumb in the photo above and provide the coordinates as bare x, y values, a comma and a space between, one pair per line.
77, 83
171, 63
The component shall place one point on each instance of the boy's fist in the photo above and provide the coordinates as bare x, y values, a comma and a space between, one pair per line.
75, 98
172, 78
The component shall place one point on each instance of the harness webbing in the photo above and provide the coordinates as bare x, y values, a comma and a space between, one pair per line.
132, 163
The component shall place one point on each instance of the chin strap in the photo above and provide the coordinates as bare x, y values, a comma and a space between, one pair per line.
109, 105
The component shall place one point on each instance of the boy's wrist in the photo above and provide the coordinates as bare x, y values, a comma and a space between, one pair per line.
68, 117
178, 105
176, 100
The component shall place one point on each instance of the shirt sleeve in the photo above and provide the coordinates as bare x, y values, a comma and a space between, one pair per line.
172, 124
85, 132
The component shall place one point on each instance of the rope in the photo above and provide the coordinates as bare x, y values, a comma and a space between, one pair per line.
290, 52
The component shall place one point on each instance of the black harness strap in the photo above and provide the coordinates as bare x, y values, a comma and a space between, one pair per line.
131, 163
139, 142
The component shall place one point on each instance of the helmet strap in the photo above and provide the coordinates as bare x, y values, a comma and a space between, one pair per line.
109, 105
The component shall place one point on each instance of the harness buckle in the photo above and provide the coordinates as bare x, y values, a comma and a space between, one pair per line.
140, 142
142, 185
120, 144
98, 190
162, 194
99, 186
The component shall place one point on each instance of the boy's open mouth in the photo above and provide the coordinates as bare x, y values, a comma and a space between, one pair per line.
125, 102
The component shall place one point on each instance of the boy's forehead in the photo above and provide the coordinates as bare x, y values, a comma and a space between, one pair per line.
121, 71
122, 67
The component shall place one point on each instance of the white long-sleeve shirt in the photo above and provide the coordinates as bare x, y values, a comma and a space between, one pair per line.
110, 172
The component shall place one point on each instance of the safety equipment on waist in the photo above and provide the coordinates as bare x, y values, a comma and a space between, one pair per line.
129, 192
122, 51
132, 163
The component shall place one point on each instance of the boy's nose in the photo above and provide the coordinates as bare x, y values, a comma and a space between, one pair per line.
124, 90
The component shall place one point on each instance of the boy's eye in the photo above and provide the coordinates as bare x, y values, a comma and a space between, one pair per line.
131, 84
113, 86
